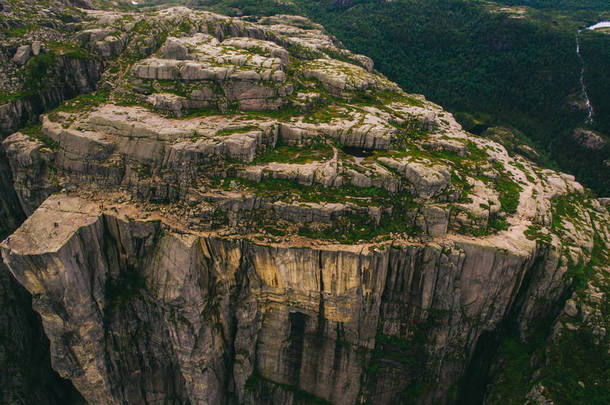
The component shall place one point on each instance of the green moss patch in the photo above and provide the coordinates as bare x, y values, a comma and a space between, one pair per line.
315, 151
510, 193
35, 131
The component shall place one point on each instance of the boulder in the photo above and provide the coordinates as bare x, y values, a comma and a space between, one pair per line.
589, 139
167, 102
435, 220
427, 179
22, 55
36, 48
174, 49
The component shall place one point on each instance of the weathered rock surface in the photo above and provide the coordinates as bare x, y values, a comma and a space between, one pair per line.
26, 376
22, 55
71, 78
11, 214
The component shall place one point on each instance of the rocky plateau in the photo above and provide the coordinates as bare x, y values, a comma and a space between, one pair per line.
245, 212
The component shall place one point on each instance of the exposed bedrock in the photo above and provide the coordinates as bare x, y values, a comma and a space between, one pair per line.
26, 376
11, 214
141, 312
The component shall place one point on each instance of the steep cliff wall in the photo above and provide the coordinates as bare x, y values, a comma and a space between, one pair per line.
29, 86
26, 376
139, 311
66, 78
11, 214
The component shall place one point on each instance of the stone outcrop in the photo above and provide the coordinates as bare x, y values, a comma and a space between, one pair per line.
22, 55
427, 179
71, 78
589, 139
341, 78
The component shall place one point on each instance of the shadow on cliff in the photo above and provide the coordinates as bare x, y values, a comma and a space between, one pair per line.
486, 362
26, 376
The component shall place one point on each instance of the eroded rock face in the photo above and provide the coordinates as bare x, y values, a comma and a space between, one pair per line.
22, 55
238, 217
589, 139
252, 81
71, 78
26, 375
213, 319
11, 214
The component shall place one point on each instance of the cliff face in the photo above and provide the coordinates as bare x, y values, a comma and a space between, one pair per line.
68, 77
11, 214
250, 214
34, 77
141, 312
41, 66
26, 377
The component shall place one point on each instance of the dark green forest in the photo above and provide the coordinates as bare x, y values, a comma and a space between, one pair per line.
559, 4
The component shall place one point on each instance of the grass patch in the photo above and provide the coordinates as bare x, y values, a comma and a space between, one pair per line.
35, 131
39, 70
12, 96
534, 232
509, 191
315, 151
350, 227
271, 230
497, 224
16, 31
575, 358
355, 227
516, 371
69, 49
84, 102
325, 115
241, 130
315, 193
387, 97
564, 207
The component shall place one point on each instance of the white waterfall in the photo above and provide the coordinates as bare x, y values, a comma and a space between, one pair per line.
583, 88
